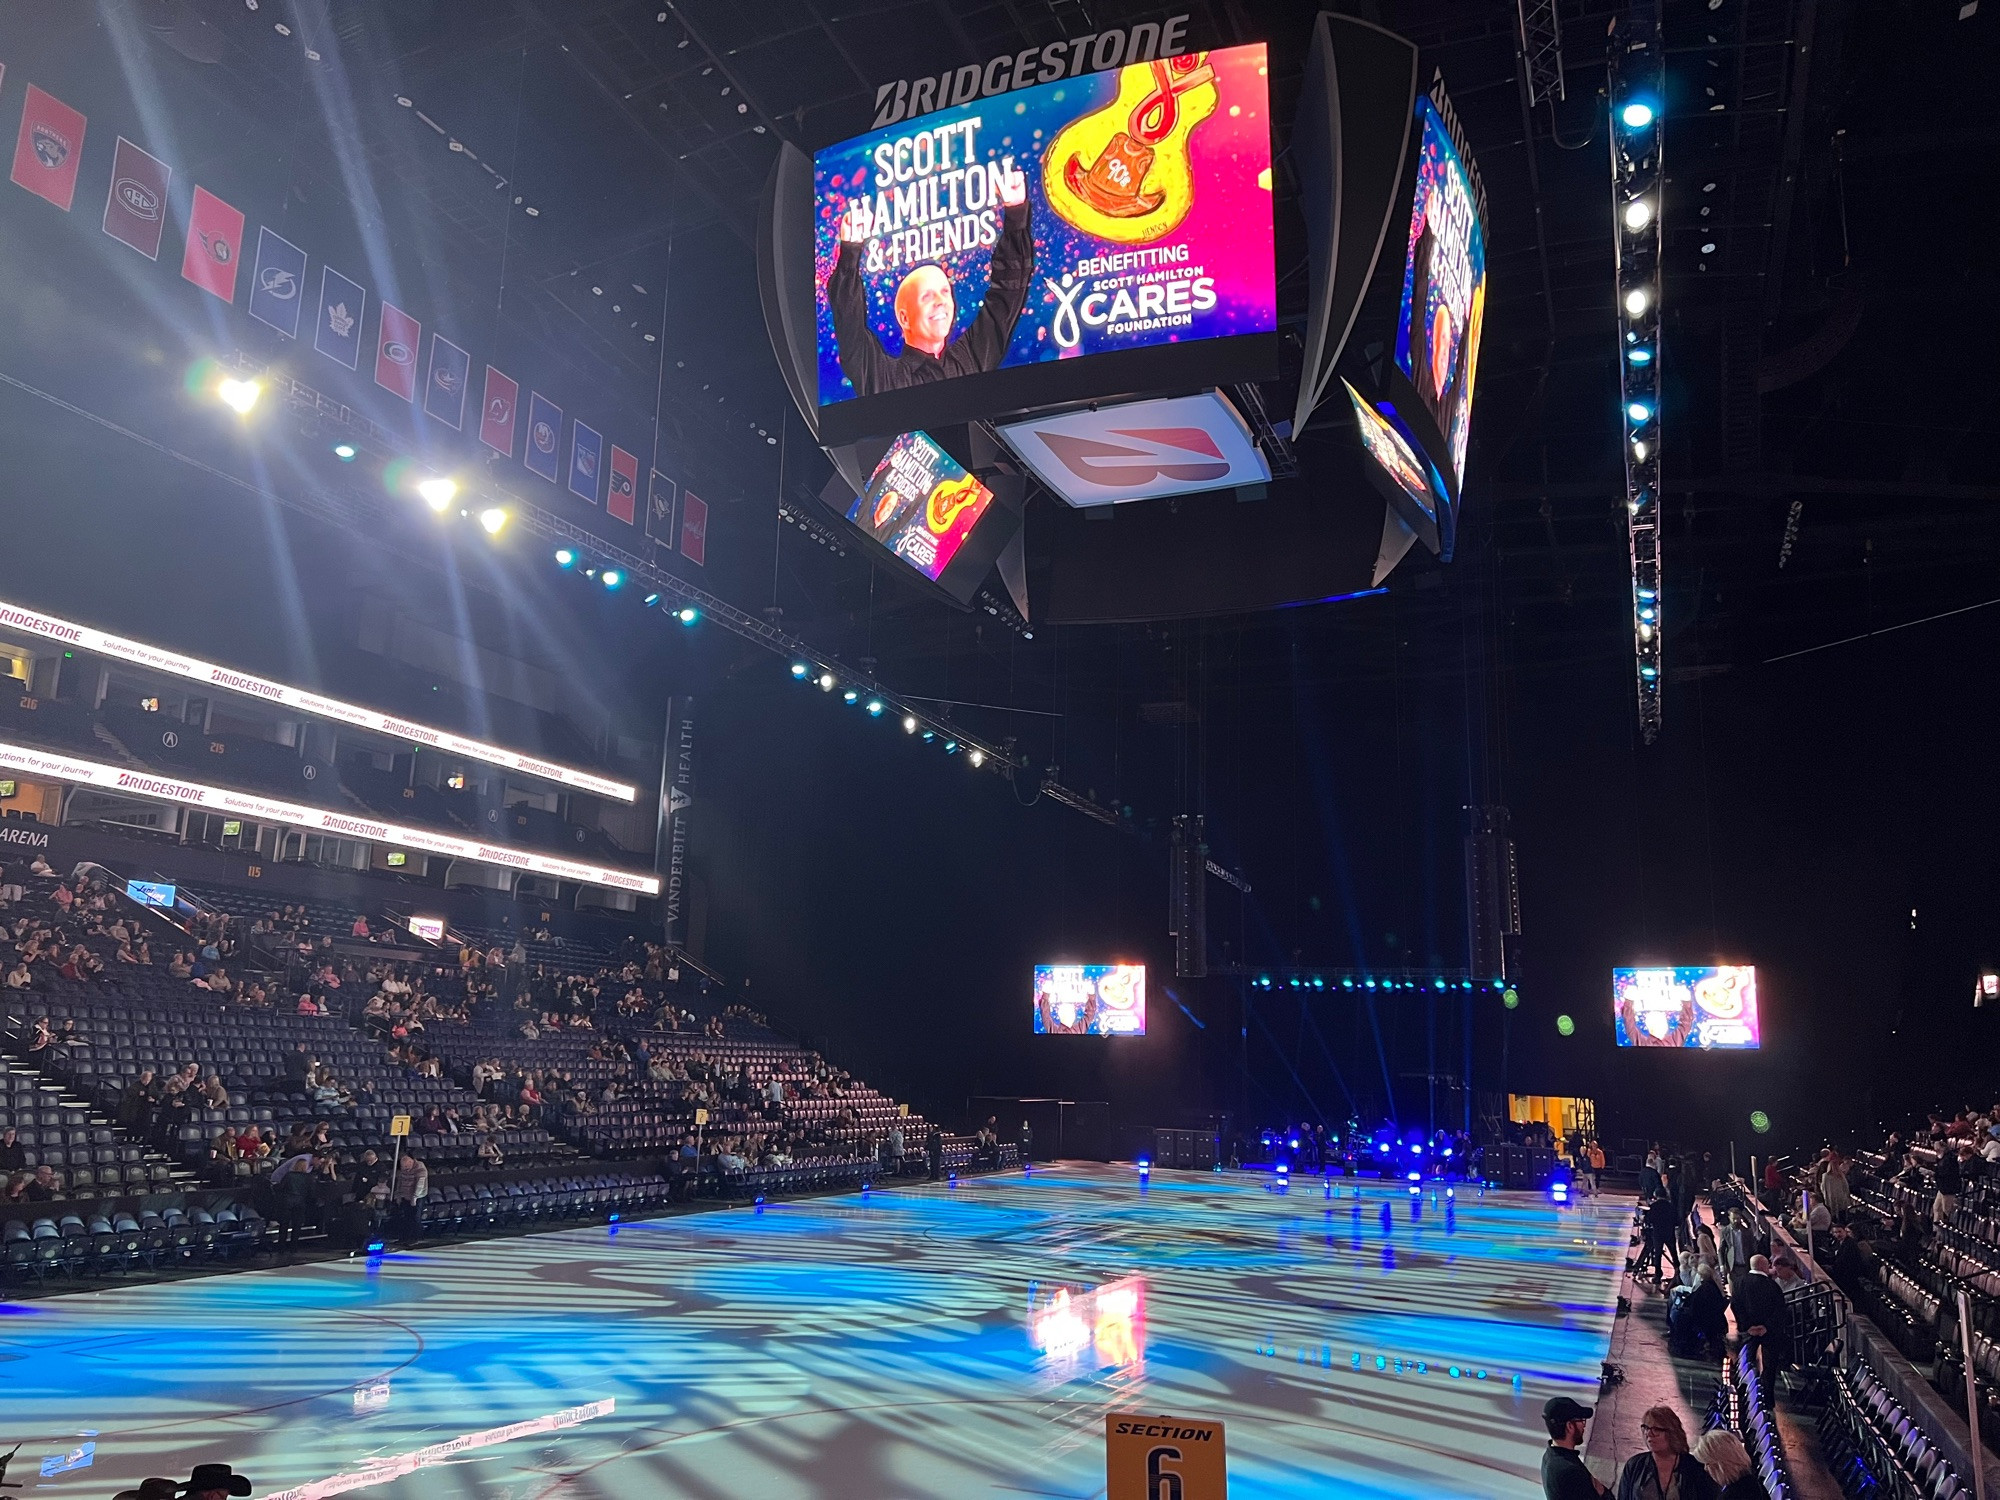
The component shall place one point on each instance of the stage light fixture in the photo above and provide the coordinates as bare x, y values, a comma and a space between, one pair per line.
874, 708
651, 600
1636, 301
800, 669
1639, 411
1638, 214
850, 696
611, 578
438, 492
240, 396
1640, 356
345, 452
565, 558
687, 614
1759, 1121
929, 735
493, 520
1637, 115
909, 724
951, 747
1565, 1026
979, 757
826, 683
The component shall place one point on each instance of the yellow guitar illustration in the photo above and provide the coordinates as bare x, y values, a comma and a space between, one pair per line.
1122, 173
947, 501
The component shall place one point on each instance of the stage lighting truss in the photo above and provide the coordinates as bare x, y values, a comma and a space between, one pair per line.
796, 513
1397, 982
1638, 123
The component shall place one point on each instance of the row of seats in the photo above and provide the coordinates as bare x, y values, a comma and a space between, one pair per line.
75, 1246
1874, 1448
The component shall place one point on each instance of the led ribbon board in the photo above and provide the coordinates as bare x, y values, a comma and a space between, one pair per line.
173, 663
320, 820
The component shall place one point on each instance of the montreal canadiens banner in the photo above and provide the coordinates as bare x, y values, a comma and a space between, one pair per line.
1118, 210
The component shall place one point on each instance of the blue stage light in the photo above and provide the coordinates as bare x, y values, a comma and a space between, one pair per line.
874, 708
651, 600
951, 747
375, 1247
850, 696
1637, 115
1640, 356
688, 614
1318, 983
800, 670
1416, 1177
612, 578
1347, 984
565, 558
614, 1218
1370, 983
1639, 411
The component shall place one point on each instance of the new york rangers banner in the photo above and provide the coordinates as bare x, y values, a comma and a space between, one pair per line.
444, 392
544, 432
622, 497
496, 412
49, 149
396, 352
214, 245
676, 794
341, 304
586, 453
135, 206
660, 510
694, 528
277, 282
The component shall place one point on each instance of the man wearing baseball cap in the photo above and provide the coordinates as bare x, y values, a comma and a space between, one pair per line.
1563, 1475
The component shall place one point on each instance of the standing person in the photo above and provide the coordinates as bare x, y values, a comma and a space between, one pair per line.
1666, 1470
1592, 1165
1762, 1320
1563, 1475
412, 1186
1649, 1172
1722, 1454
1659, 1224
934, 1152
1950, 1180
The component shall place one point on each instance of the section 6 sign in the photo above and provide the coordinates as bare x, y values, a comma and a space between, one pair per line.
1163, 1458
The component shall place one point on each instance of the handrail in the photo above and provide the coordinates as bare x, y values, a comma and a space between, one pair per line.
119, 884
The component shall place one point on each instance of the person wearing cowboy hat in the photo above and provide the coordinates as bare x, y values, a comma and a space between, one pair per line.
213, 1482
149, 1489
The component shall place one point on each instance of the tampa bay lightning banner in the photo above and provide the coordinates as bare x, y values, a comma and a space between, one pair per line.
341, 304
277, 285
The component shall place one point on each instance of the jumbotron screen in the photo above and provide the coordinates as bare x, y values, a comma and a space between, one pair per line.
1695, 1007
1110, 211
920, 504
1444, 287
1090, 999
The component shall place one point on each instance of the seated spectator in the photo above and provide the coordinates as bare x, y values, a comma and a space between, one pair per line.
1721, 1453
489, 1153
13, 1156
40, 866
179, 966
43, 1187
18, 977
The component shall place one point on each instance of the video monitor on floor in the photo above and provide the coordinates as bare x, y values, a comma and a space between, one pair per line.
1713, 1007
151, 893
1091, 214
1090, 999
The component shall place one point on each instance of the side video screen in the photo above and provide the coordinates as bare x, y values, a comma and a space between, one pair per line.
1090, 999
1688, 1007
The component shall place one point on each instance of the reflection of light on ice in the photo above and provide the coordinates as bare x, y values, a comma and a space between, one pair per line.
1112, 1319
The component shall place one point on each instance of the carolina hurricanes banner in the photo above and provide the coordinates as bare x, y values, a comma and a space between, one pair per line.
73, 636
135, 208
214, 245
496, 416
34, 762
621, 500
396, 352
49, 149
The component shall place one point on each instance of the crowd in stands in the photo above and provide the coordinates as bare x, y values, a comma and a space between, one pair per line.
274, 1044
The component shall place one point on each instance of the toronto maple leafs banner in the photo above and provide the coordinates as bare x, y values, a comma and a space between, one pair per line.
277, 282
341, 304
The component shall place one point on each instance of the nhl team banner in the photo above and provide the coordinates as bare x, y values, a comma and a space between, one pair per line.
73, 636
341, 304
544, 432
444, 392
660, 510
49, 148
33, 762
135, 207
214, 245
586, 455
496, 417
1117, 210
277, 282
396, 352
621, 500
